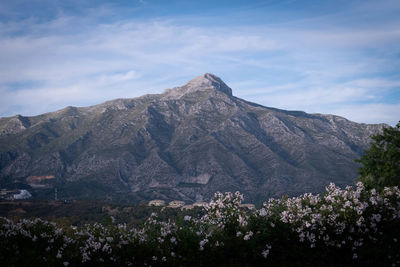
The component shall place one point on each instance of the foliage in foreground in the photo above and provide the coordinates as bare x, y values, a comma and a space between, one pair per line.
346, 227
381, 163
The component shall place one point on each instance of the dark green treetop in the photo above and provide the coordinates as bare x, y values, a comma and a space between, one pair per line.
381, 163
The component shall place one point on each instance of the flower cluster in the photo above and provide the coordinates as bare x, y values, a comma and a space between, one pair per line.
350, 219
224, 211
44, 237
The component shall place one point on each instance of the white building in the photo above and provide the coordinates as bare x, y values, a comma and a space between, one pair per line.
187, 207
249, 206
200, 204
23, 194
156, 203
176, 204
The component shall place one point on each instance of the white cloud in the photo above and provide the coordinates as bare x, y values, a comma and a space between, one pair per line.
371, 113
360, 100
310, 93
75, 61
374, 83
118, 77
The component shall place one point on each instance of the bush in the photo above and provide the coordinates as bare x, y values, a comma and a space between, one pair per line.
353, 226
381, 163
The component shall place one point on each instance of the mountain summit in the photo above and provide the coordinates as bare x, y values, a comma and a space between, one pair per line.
205, 82
186, 143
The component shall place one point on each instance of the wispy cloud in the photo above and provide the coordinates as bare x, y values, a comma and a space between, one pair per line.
370, 113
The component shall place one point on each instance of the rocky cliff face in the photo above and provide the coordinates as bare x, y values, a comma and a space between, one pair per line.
185, 143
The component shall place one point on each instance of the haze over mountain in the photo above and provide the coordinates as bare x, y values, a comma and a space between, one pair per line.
185, 143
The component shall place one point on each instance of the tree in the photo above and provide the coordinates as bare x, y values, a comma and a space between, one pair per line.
381, 163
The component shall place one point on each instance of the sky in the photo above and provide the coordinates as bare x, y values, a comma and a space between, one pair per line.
335, 57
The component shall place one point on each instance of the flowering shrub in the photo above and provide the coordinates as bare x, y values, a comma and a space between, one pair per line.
33, 241
351, 226
348, 222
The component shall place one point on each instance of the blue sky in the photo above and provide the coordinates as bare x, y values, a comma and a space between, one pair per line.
337, 57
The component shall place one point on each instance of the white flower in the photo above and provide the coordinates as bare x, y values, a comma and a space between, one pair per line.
242, 221
266, 252
59, 255
107, 248
203, 242
262, 212
85, 257
248, 235
360, 221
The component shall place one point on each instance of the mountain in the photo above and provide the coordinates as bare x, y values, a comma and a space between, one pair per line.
185, 143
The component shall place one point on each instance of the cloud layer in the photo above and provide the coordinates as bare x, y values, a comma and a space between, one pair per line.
347, 68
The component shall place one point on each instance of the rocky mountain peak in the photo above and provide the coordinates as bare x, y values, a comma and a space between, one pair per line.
200, 142
209, 80
205, 82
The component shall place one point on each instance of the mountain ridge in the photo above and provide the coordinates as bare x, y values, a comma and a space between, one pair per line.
185, 143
